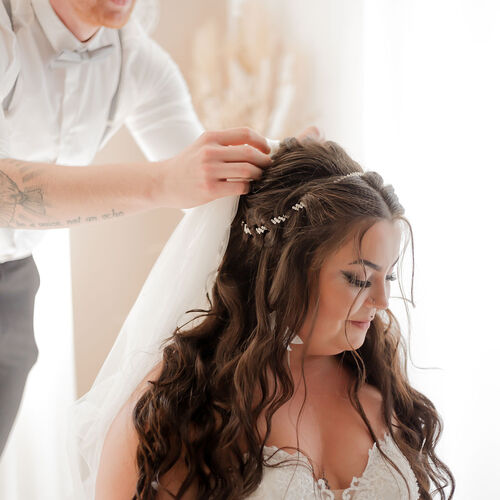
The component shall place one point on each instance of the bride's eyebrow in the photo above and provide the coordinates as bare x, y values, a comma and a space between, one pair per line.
370, 264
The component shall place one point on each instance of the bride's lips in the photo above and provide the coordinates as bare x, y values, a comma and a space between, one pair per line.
361, 324
121, 3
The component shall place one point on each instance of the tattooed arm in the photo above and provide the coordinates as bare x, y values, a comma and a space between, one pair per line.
41, 196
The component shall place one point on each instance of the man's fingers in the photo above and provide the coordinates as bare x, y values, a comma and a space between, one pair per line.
241, 135
232, 187
245, 153
238, 171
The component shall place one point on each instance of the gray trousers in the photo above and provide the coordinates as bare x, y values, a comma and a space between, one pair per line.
19, 282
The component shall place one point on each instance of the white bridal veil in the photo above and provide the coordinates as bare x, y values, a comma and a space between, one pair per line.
181, 277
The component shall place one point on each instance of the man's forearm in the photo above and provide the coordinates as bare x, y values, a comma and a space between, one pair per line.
42, 196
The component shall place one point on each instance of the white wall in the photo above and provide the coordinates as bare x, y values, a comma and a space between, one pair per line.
431, 127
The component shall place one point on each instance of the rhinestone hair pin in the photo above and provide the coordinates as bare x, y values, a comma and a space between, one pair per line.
297, 207
275, 220
347, 175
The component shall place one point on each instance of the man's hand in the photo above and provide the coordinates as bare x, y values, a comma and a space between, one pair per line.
312, 132
217, 164
40, 196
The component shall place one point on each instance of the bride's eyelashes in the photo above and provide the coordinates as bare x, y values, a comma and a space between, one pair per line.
363, 284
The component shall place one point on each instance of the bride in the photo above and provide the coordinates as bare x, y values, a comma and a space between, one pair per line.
287, 377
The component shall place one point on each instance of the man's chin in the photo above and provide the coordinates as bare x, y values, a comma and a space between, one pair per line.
115, 21
115, 17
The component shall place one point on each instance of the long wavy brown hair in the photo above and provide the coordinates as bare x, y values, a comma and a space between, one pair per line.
202, 410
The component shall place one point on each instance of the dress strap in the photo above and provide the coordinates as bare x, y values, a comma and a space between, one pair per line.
114, 102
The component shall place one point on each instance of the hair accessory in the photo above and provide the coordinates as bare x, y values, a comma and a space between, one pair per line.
347, 175
275, 220
280, 218
298, 206
246, 229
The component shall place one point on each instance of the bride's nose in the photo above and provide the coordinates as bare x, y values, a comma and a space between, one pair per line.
379, 297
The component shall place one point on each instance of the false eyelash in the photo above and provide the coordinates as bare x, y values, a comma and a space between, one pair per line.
364, 284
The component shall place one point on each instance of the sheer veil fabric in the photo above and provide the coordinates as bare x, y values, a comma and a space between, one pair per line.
180, 279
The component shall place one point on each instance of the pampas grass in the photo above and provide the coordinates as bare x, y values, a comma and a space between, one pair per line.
245, 72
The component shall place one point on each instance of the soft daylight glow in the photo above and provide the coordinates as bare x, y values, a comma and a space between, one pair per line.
431, 108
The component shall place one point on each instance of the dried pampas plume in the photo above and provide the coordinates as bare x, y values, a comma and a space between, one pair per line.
244, 73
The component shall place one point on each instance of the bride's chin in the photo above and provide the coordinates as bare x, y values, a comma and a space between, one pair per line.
354, 341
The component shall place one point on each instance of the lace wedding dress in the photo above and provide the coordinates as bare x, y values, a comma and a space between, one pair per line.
379, 481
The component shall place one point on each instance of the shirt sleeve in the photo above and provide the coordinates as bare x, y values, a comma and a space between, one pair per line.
162, 120
9, 69
4, 137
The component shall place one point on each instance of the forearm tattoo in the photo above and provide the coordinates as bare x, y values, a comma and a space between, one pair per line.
12, 197
24, 207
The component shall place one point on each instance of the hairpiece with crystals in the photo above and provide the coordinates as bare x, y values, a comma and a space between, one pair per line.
347, 175
275, 220
297, 207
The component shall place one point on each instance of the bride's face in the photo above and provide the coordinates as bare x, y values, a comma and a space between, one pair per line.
341, 279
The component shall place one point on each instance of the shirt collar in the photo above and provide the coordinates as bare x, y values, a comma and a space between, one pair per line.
59, 36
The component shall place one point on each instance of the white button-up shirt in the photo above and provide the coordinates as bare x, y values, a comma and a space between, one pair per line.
59, 114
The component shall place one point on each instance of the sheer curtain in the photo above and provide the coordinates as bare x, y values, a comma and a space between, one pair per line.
431, 122
33, 462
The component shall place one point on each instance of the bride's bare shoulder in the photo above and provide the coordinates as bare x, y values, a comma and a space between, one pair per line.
117, 475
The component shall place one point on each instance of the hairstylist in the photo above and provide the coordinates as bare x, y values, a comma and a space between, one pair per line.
72, 72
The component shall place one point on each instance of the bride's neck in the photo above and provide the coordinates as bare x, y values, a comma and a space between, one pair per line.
318, 369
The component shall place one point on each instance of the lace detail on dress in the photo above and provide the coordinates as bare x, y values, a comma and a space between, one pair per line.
293, 478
